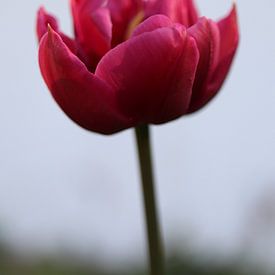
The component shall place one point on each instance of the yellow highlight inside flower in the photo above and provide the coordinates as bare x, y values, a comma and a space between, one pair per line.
134, 22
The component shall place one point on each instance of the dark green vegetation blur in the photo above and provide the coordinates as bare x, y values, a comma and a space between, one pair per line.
10, 265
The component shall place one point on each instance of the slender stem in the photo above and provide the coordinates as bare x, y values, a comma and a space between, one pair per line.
153, 231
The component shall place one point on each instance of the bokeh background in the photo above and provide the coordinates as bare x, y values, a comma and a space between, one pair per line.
69, 194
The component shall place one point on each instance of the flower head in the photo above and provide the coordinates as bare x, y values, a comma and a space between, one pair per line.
134, 62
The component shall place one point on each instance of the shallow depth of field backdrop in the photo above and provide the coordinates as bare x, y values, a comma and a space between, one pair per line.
65, 189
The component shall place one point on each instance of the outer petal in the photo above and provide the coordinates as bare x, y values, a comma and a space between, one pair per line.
179, 11
122, 14
93, 28
206, 34
153, 74
228, 43
83, 97
229, 40
43, 20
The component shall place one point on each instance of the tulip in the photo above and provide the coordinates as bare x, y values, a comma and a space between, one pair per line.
134, 62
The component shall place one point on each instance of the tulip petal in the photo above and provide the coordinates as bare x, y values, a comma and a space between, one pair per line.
228, 42
93, 28
206, 34
83, 97
179, 11
152, 74
43, 20
152, 23
122, 14
229, 39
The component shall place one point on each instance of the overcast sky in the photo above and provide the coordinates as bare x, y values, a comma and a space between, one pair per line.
61, 186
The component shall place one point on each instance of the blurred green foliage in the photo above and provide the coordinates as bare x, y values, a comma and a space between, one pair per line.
177, 265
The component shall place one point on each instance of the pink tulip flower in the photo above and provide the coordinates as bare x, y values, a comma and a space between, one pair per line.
135, 62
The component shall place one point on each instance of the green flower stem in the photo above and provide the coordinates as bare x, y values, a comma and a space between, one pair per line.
155, 248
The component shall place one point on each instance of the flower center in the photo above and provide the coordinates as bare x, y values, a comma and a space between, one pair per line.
133, 24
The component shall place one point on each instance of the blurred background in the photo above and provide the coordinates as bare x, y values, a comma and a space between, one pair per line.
70, 200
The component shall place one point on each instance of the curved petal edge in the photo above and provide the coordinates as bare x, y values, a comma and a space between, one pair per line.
85, 98
228, 44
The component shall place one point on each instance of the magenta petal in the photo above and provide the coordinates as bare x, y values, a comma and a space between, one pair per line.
228, 42
83, 97
153, 74
206, 34
229, 39
93, 28
122, 13
179, 11
152, 23
43, 20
